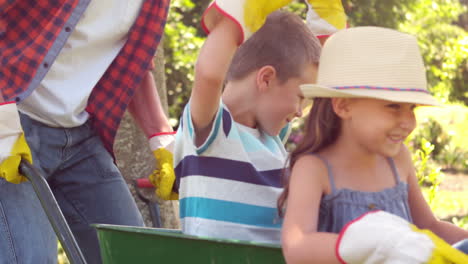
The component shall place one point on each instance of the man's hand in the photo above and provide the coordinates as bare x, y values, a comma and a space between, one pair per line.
13, 146
249, 15
163, 177
380, 237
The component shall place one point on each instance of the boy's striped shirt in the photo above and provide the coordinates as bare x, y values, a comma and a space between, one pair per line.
229, 185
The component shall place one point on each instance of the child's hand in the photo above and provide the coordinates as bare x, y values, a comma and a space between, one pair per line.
380, 237
249, 15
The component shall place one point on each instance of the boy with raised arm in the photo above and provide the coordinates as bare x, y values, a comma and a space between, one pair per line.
229, 151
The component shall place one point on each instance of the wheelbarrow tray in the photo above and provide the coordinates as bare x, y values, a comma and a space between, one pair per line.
126, 244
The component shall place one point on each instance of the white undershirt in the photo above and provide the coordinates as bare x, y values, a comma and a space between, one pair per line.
101, 32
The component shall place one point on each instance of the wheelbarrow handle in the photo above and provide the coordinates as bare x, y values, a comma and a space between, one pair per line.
53, 212
143, 183
153, 207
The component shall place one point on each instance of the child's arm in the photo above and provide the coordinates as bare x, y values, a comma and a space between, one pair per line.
228, 23
211, 68
421, 213
300, 240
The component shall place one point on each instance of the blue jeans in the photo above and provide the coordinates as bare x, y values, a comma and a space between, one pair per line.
462, 245
86, 183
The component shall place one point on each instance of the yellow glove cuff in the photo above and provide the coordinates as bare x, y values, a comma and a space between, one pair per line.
443, 252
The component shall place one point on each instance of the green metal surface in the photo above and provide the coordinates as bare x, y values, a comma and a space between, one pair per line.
124, 244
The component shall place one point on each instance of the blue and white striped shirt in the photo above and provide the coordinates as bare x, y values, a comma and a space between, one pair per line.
230, 184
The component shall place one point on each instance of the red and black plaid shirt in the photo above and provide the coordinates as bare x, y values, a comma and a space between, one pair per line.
28, 30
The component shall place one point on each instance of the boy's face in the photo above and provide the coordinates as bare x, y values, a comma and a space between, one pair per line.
282, 102
381, 126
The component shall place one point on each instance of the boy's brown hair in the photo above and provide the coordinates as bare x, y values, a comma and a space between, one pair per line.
284, 42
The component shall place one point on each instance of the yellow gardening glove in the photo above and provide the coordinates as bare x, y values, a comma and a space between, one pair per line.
256, 11
325, 17
163, 177
250, 15
380, 237
13, 146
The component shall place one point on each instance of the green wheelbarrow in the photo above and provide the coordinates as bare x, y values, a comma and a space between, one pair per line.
125, 244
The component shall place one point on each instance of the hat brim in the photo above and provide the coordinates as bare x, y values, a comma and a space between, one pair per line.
311, 91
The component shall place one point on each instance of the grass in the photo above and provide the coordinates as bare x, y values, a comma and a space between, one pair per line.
449, 203
452, 207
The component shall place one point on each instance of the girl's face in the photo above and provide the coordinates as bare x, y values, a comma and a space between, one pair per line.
380, 126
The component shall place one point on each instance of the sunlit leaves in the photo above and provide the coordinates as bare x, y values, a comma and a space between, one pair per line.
443, 43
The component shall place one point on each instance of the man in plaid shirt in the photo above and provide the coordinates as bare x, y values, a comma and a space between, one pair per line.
69, 69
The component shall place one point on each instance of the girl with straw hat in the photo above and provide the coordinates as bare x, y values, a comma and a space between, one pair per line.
352, 192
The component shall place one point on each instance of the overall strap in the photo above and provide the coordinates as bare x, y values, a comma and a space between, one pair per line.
394, 169
330, 172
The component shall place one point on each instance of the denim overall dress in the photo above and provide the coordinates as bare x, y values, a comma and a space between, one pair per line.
344, 205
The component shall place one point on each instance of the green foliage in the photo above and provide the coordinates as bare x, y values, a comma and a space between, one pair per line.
438, 24
438, 128
183, 39
296, 135
449, 205
445, 151
461, 222
445, 204
376, 13
452, 117
454, 157
297, 7
444, 45
427, 173
445, 127
431, 131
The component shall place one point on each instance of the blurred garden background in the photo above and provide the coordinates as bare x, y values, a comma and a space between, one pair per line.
439, 144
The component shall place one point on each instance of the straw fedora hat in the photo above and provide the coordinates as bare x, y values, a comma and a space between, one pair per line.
371, 62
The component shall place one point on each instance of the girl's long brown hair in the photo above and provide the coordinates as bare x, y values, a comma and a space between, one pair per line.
321, 129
